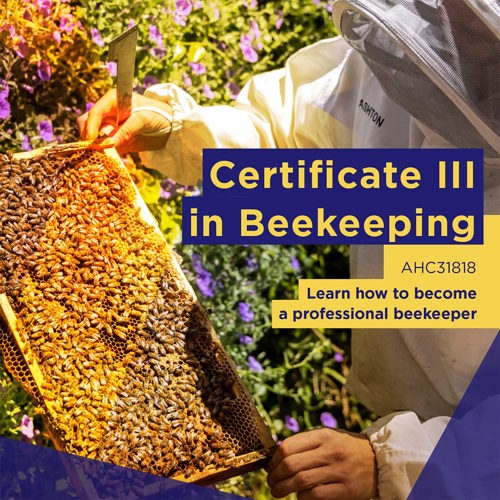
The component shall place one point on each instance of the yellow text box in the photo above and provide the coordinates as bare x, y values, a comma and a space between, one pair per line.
424, 286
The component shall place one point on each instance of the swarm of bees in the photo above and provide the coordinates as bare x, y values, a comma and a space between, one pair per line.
131, 367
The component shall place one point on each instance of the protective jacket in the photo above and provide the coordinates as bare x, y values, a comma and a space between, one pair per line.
400, 77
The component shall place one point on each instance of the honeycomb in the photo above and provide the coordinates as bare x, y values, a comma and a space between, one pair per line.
132, 372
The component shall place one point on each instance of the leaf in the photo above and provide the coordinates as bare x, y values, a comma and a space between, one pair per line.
196, 52
335, 374
150, 191
179, 51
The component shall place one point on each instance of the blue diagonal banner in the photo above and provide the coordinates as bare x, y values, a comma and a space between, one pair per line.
29, 472
465, 465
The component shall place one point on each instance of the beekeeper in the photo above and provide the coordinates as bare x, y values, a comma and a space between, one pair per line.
419, 73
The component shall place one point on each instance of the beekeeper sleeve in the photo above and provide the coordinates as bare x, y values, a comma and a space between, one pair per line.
400, 465
402, 445
271, 111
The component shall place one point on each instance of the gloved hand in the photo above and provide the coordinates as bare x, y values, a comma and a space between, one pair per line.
146, 129
324, 464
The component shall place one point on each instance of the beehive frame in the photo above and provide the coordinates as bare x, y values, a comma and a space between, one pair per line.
163, 341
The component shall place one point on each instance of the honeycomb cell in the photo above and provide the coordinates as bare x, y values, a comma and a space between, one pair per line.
131, 366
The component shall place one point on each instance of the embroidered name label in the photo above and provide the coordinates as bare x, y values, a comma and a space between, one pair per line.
371, 112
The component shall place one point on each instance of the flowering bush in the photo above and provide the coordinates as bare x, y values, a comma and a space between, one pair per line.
46, 62
52, 68
209, 48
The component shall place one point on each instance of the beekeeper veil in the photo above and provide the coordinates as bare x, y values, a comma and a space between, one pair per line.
438, 59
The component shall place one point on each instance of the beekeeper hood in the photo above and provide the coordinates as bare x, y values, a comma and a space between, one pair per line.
438, 59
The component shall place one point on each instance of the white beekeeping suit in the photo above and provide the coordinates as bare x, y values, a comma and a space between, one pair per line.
421, 73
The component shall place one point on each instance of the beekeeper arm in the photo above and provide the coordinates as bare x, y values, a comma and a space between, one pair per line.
324, 463
274, 109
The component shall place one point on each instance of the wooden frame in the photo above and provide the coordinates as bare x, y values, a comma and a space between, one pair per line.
234, 466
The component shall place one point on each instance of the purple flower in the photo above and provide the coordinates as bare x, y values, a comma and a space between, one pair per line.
254, 365
149, 80
155, 35
252, 263
180, 20
89, 106
207, 91
165, 192
45, 130
67, 23
28, 88
328, 420
27, 428
158, 52
96, 37
169, 188
183, 7
21, 48
291, 424
196, 262
111, 67
10, 28
44, 7
43, 70
338, 357
246, 40
295, 263
197, 4
197, 68
182, 10
204, 279
251, 4
279, 20
245, 339
187, 80
4, 89
246, 313
197, 190
25, 144
249, 53
205, 283
233, 88
57, 36
254, 29
4, 108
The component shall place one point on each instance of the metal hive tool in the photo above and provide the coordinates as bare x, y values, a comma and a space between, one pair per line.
102, 328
